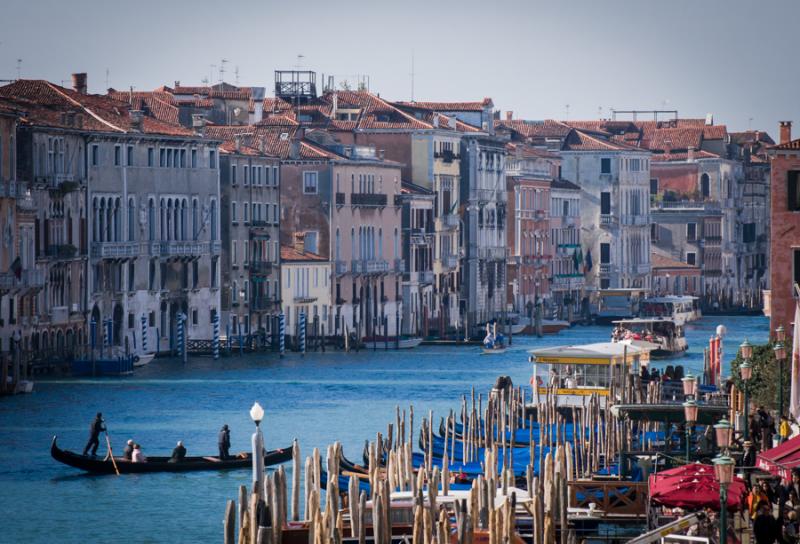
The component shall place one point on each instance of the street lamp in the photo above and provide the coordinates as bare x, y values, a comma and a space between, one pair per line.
690, 414
257, 444
745, 373
724, 432
723, 470
689, 385
780, 334
780, 355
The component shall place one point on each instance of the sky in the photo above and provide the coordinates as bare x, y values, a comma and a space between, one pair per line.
570, 59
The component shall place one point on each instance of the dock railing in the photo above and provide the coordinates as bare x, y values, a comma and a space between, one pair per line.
611, 498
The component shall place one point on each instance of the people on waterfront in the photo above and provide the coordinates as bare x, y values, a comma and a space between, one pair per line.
178, 453
127, 453
784, 429
749, 456
755, 499
95, 428
224, 442
755, 429
790, 493
138, 456
767, 424
765, 527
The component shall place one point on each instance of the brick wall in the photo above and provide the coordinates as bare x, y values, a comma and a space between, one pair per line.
785, 234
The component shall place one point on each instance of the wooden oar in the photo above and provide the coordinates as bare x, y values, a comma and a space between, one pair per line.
111, 454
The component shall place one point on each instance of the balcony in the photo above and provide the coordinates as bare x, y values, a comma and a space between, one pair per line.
540, 215
570, 220
304, 299
115, 250
261, 304
642, 268
606, 269
259, 224
183, 248
28, 279
340, 267
492, 253
449, 261
608, 221
25, 202
449, 221
567, 281
61, 251
369, 266
368, 199
261, 267
59, 183
634, 220
9, 189
447, 156
422, 276
340, 199
399, 266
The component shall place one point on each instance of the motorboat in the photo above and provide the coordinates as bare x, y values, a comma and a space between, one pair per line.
664, 333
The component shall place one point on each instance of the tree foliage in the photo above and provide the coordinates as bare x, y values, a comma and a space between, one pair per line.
763, 385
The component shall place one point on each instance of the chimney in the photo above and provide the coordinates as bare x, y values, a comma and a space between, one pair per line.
335, 105
435, 120
509, 115
294, 148
381, 154
238, 142
177, 83
690, 154
786, 132
79, 82
199, 123
137, 117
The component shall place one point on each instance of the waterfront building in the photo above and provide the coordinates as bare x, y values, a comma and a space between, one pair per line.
529, 176
127, 215
250, 230
306, 288
614, 179
674, 277
20, 277
567, 267
784, 251
418, 240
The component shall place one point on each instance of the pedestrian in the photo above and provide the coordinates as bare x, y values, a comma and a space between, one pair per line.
224, 442
784, 429
764, 525
755, 499
767, 428
95, 428
178, 454
789, 534
138, 456
790, 493
127, 453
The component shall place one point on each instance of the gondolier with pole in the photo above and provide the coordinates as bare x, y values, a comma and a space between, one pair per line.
95, 428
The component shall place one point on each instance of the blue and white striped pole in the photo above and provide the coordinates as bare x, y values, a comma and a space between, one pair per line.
144, 334
107, 336
179, 324
282, 333
303, 333
215, 339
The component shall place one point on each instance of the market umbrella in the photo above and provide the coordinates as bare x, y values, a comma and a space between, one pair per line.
693, 487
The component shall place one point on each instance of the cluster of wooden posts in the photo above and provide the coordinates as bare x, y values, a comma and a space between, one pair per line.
391, 500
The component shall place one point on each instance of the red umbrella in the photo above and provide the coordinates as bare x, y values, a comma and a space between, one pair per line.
693, 487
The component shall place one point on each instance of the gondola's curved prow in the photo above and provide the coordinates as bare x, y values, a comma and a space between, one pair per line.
163, 464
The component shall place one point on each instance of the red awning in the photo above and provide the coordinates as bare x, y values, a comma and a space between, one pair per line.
781, 459
694, 487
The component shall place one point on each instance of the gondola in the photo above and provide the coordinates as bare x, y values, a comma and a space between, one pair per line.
161, 464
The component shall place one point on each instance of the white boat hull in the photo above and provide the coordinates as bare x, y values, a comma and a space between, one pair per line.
142, 359
404, 343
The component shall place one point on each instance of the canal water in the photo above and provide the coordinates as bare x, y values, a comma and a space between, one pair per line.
319, 398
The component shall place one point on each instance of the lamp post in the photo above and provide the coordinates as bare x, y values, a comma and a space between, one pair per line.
723, 470
724, 433
745, 373
257, 443
780, 355
690, 414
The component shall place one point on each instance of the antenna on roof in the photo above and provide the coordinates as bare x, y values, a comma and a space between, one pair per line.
412, 75
300, 58
222, 70
567, 108
236, 74
107, 72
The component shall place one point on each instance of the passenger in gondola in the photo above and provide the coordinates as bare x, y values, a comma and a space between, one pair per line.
224, 442
95, 428
138, 456
178, 453
127, 453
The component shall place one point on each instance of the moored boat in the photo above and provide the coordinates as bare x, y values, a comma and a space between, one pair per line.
681, 309
103, 366
162, 464
393, 342
553, 326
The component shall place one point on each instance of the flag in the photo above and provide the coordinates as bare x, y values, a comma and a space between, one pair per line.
16, 268
577, 258
794, 396
588, 267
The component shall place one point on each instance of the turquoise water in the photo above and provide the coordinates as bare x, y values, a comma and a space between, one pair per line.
318, 399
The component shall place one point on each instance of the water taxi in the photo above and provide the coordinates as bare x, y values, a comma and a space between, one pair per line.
493, 343
665, 333
616, 304
574, 372
681, 309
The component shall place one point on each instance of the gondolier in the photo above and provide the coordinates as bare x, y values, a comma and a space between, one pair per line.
95, 428
224, 442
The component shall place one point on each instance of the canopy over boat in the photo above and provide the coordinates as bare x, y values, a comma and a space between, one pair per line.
162, 464
781, 459
597, 353
694, 487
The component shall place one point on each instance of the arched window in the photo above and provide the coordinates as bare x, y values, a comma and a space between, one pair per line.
396, 243
213, 235
151, 220
131, 220
194, 219
380, 243
163, 219
338, 244
705, 186
353, 243
95, 220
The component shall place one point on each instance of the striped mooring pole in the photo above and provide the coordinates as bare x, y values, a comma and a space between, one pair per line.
107, 336
215, 339
180, 340
282, 333
302, 332
144, 334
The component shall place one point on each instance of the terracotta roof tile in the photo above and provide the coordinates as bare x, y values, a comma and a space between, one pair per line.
289, 253
662, 261
451, 106
794, 144
548, 128
580, 141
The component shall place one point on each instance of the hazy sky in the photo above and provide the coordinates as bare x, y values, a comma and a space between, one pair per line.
733, 58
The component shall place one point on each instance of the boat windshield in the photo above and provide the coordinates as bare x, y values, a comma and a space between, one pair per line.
572, 376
